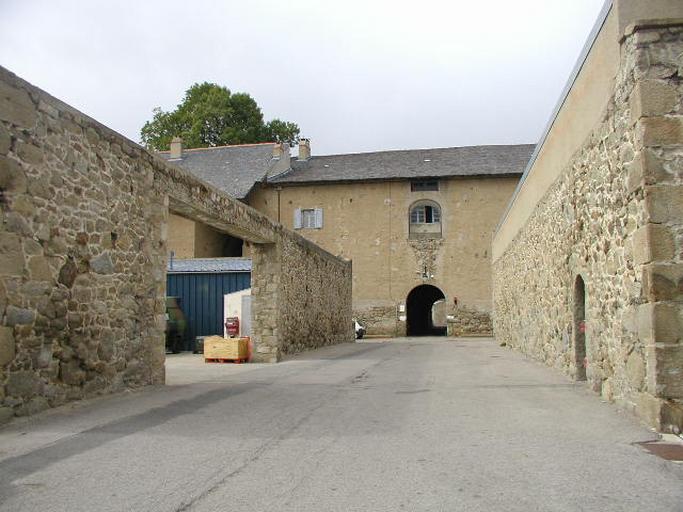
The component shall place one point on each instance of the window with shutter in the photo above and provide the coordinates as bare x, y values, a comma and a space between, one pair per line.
308, 218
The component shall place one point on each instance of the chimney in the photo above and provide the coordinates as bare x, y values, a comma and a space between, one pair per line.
280, 160
304, 149
176, 148
278, 151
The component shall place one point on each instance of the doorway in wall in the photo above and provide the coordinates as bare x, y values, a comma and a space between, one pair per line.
580, 328
420, 311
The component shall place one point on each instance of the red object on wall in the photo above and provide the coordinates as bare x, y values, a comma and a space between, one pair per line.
582, 326
232, 326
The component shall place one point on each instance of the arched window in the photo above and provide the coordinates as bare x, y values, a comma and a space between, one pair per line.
425, 220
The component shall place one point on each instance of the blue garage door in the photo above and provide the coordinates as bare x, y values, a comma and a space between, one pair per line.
201, 299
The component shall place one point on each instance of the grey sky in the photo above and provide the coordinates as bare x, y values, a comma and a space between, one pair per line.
357, 75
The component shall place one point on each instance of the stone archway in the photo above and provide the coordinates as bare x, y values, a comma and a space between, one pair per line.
419, 304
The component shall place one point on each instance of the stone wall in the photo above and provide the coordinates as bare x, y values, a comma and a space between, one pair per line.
83, 252
314, 289
379, 317
301, 297
82, 257
464, 321
613, 217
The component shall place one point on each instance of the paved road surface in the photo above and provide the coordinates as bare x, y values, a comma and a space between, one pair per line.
415, 425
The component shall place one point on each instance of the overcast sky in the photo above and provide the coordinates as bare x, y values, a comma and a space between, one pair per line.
356, 75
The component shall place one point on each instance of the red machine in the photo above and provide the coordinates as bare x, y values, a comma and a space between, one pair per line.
232, 326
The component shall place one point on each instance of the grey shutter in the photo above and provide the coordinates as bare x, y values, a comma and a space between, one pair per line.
319, 218
297, 218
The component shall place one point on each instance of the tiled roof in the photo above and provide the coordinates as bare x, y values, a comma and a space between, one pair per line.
233, 169
413, 163
206, 265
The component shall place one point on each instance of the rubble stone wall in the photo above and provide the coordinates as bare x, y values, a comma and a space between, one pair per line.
379, 318
315, 298
615, 218
83, 252
464, 321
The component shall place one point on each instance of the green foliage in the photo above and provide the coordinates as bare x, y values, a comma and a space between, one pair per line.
282, 131
210, 115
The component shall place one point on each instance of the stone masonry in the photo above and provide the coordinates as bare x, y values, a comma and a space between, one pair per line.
83, 251
615, 218
464, 321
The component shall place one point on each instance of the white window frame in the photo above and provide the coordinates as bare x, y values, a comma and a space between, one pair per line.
418, 214
308, 218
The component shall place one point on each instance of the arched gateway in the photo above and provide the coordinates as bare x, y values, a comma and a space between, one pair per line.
420, 311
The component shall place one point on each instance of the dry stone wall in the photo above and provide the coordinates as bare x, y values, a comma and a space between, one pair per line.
83, 252
614, 217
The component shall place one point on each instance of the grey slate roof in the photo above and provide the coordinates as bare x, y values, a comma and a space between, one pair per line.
207, 265
412, 163
233, 169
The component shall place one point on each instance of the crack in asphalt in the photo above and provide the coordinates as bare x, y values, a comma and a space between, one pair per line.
255, 456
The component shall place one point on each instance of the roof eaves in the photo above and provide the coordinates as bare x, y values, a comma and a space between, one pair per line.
333, 181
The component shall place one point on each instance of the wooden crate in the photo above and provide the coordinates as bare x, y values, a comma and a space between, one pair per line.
216, 347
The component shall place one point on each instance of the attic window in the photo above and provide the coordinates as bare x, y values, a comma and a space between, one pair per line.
424, 186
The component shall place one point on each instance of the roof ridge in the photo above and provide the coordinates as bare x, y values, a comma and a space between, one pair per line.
222, 147
422, 149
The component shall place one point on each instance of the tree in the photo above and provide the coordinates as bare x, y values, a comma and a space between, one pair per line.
282, 131
210, 115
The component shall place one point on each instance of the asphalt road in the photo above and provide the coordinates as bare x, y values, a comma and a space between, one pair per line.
415, 425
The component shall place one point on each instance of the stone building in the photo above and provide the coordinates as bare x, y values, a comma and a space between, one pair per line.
417, 224
588, 258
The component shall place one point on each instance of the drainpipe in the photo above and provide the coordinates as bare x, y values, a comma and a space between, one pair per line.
278, 189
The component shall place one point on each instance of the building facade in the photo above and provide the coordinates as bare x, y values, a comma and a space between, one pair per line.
417, 225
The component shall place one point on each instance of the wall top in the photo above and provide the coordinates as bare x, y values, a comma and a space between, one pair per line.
596, 67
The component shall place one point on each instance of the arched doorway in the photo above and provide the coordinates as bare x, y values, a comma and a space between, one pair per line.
580, 328
420, 315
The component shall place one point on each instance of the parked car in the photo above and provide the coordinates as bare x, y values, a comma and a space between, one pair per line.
175, 325
359, 329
